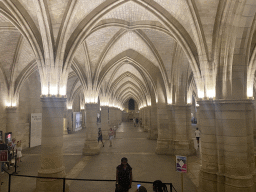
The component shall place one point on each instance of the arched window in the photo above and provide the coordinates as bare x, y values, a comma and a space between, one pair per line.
131, 104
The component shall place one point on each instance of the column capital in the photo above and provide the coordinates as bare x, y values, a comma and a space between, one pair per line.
11, 109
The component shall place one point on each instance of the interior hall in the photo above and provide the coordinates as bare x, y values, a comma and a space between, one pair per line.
174, 79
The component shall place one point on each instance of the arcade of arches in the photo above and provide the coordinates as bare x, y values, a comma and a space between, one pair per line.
174, 58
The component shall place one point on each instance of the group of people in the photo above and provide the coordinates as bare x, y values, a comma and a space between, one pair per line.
14, 152
124, 179
111, 134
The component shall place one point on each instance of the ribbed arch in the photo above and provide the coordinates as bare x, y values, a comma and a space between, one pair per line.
142, 87
80, 74
128, 95
24, 75
134, 87
173, 25
148, 69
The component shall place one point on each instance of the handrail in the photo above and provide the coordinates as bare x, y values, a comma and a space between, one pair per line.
64, 180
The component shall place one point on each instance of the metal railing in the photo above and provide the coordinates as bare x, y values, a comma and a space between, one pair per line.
64, 181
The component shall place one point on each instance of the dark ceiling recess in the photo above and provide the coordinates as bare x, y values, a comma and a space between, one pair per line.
131, 104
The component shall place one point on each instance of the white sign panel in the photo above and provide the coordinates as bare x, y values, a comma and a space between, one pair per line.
36, 129
77, 121
181, 164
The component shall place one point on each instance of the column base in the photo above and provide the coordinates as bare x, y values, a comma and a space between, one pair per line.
212, 182
146, 128
105, 135
51, 185
91, 148
164, 147
152, 134
184, 148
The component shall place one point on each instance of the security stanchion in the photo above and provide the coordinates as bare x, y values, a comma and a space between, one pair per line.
15, 172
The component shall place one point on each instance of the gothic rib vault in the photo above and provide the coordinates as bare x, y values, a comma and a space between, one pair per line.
164, 54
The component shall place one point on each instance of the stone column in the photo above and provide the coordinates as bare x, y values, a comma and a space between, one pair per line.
104, 122
111, 117
83, 118
116, 121
152, 132
12, 119
91, 146
52, 144
227, 145
69, 119
147, 118
144, 118
183, 143
163, 140
120, 117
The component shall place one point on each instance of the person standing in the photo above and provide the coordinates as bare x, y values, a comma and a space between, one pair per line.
19, 149
137, 122
124, 175
197, 134
111, 136
100, 136
158, 186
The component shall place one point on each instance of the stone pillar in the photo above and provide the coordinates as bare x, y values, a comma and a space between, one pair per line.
152, 132
183, 143
147, 118
254, 119
227, 145
111, 117
52, 145
163, 141
69, 119
144, 117
116, 121
91, 146
83, 118
104, 122
12, 121
120, 117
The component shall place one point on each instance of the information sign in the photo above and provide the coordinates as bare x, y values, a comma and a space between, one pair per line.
3, 155
181, 164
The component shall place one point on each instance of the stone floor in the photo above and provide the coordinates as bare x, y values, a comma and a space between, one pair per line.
130, 142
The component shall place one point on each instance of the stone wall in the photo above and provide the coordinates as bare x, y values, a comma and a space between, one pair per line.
3, 94
29, 102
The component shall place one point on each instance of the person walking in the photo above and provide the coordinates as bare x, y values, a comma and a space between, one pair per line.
111, 136
124, 175
100, 136
137, 122
197, 134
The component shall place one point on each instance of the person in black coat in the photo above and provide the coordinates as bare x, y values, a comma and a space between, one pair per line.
124, 175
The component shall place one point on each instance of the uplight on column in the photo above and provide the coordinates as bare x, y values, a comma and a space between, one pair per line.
53, 90
8, 104
200, 94
211, 93
63, 91
45, 90
249, 92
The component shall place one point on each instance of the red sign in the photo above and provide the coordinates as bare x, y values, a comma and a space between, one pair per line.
3, 155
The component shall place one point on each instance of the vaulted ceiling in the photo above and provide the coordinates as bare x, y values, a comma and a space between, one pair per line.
126, 46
